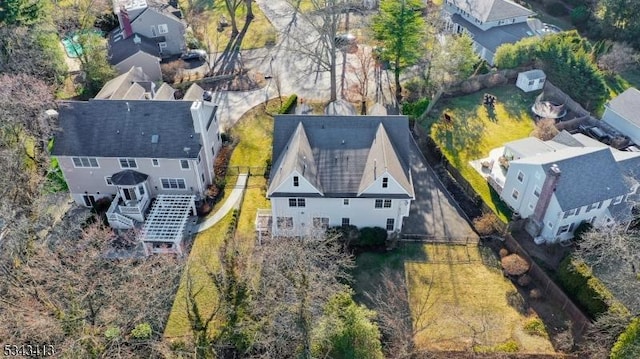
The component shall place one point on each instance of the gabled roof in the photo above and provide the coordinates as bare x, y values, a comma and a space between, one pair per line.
121, 49
165, 92
194, 93
492, 10
588, 175
297, 157
529, 146
135, 92
492, 38
116, 88
118, 128
627, 105
383, 158
340, 147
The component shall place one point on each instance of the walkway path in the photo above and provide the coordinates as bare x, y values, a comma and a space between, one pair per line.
231, 202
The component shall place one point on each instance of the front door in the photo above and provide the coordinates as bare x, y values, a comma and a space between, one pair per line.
89, 201
129, 194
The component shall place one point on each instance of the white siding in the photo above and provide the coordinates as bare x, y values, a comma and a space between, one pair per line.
304, 186
621, 124
556, 216
393, 187
524, 188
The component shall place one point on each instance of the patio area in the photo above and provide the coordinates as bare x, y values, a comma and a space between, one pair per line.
492, 169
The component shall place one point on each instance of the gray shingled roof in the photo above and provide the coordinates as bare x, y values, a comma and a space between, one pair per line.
492, 10
492, 38
194, 93
565, 138
165, 92
121, 49
627, 105
128, 178
117, 87
117, 128
588, 175
340, 147
297, 157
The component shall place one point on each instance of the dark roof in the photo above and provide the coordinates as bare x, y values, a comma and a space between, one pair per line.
340, 148
118, 128
121, 49
627, 105
492, 10
128, 178
492, 38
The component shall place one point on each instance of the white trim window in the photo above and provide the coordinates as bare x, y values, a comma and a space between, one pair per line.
81, 162
128, 163
321, 222
297, 202
173, 183
536, 191
385, 182
346, 221
162, 45
108, 181
618, 200
391, 223
184, 164
515, 194
345, 202
520, 176
163, 28
569, 213
284, 222
155, 162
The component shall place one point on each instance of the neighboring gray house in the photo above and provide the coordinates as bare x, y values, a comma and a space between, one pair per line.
623, 114
134, 51
158, 21
338, 170
490, 23
134, 151
560, 183
135, 85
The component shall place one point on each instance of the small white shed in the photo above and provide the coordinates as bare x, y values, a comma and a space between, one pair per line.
531, 80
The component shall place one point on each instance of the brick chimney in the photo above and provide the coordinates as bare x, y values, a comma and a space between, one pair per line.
125, 22
549, 186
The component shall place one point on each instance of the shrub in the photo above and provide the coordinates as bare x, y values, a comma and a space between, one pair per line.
348, 234
535, 293
487, 224
503, 252
582, 228
628, 344
524, 280
577, 280
288, 104
142, 331
514, 264
415, 109
371, 237
516, 301
556, 9
545, 129
580, 15
112, 333
535, 326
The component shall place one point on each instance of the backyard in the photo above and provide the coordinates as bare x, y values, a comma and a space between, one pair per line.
474, 130
459, 297
253, 131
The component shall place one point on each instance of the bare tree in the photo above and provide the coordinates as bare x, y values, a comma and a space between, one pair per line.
545, 129
363, 73
620, 58
399, 327
232, 8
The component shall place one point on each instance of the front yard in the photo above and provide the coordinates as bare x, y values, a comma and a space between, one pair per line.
458, 297
474, 131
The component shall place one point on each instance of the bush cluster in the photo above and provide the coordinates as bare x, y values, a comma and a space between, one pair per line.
366, 238
580, 284
628, 344
415, 109
288, 104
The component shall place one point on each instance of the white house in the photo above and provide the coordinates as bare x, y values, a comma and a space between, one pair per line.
531, 80
135, 150
623, 114
561, 183
490, 23
339, 170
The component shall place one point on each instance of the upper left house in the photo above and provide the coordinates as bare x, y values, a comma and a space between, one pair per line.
149, 31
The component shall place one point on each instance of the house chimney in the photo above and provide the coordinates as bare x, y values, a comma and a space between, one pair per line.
125, 22
548, 187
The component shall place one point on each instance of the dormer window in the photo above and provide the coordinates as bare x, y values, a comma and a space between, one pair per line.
296, 181
385, 182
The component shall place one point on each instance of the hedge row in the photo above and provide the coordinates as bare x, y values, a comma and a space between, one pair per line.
367, 238
628, 344
288, 104
578, 280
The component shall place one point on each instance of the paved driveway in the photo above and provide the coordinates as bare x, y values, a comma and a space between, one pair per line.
433, 213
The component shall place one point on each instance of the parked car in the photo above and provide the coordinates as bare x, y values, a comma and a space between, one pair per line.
194, 54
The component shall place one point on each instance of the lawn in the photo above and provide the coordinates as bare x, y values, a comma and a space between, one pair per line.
461, 301
260, 32
475, 131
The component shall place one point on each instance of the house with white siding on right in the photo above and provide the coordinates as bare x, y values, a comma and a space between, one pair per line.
623, 114
558, 184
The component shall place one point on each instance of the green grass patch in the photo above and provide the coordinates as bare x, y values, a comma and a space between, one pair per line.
475, 131
535, 326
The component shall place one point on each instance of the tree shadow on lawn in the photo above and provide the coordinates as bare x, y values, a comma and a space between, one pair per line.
500, 206
515, 102
230, 61
461, 136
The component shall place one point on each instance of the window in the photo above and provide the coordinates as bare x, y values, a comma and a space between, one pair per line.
345, 202
173, 183
141, 190
530, 205
89, 200
378, 203
569, 213
108, 180
531, 82
128, 163
213, 150
520, 176
515, 194
184, 164
618, 200
202, 177
285, 222
296, 181
591, 206
564, 229
346, 221
387, 203
297, 202
385, 182
536, 191
85, 162
162, 45
321, 222
199, 158
390, 224
155, 162
550, 224
163, 29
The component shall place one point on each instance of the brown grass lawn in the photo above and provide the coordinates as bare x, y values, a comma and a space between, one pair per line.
466, 304
475, 131
454, 292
